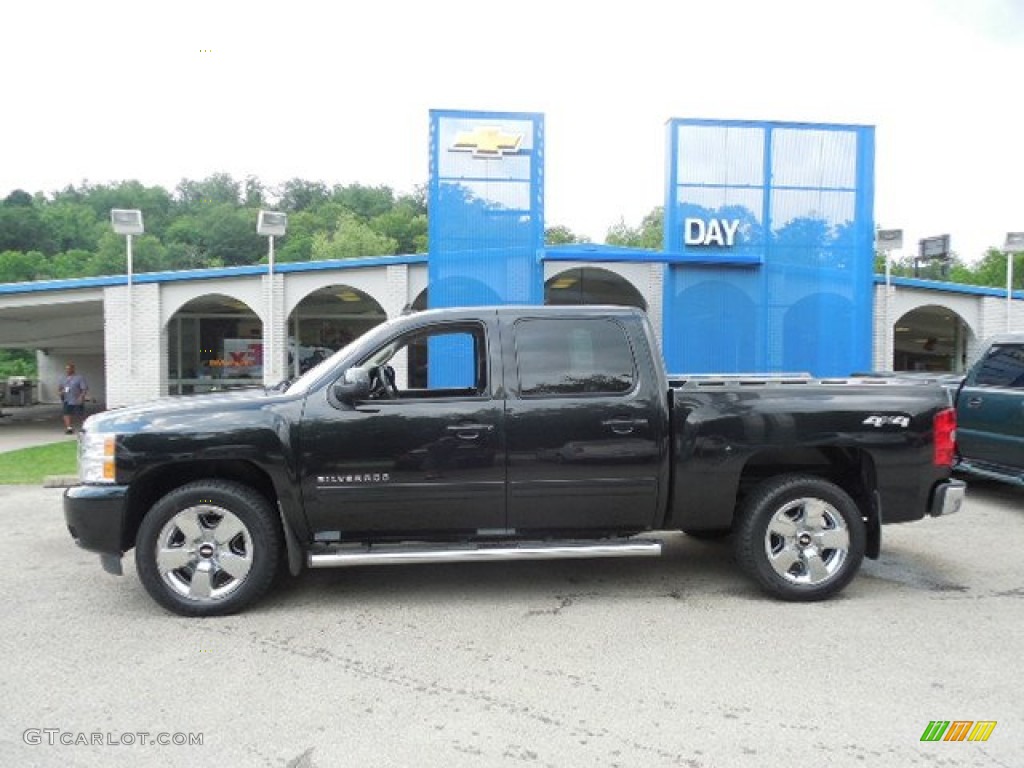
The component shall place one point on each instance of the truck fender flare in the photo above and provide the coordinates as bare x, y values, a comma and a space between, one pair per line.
873, 527
291, 544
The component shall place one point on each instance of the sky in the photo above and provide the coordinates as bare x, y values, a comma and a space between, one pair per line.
341, 91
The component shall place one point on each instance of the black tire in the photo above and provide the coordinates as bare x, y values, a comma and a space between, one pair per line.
801, 537
209, 548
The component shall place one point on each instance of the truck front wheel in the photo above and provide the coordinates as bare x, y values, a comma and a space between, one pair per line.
208, 548
801, 537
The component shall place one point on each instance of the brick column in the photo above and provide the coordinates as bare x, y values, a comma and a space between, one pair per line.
135, 345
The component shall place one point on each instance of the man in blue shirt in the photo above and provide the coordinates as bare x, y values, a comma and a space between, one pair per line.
73, 389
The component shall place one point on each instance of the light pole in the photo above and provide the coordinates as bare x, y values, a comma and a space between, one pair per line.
887, 241
271, 224
1014, 244
128, 222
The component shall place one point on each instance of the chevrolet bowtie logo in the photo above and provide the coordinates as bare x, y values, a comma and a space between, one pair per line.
489, 141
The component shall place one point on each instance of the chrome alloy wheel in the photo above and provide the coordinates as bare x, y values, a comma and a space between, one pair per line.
204, 553
807, 541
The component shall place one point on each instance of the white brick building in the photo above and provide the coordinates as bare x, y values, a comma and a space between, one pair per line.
191, 331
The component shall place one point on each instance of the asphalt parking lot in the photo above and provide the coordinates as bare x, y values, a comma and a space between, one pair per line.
677, 661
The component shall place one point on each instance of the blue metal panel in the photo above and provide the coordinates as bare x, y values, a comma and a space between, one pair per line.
714, 321
486, 203
486, 224
799, 197
594, 252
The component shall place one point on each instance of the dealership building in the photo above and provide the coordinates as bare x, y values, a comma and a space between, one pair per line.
767, 267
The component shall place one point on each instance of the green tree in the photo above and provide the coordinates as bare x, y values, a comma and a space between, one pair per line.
154, 202
351, 239
21, 226
650, 233
253, 194
561, 235
365, 202
111, 257
17, 362
218, 189
215, 235
300, 195
186, 246
70, 264
20, 266
230, 235
405, 226
72, 225
990, 270
899, 267
303, 226
19, 198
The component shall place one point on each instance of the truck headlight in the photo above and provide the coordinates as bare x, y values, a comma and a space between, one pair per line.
96, 458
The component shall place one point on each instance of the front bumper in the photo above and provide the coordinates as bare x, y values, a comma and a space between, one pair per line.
948, 498
95, 515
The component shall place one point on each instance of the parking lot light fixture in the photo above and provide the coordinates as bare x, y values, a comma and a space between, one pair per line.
1014, 244
271, 224
889, 241
128, 222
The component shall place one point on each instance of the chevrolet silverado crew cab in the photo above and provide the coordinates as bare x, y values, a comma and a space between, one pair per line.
512, 433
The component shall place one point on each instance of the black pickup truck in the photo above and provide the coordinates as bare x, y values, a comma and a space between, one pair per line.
512, 433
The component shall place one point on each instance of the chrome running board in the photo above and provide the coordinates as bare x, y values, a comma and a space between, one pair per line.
395, 554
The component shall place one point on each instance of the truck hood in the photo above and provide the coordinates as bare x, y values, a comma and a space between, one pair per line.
192, 413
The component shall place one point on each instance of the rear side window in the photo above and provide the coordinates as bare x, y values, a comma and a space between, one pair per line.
1002, 366
573, 356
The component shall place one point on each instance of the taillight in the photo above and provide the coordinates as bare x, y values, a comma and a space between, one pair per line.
944, 438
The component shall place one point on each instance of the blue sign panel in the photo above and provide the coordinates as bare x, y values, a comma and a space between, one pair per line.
486, 202
788, 210
486, 224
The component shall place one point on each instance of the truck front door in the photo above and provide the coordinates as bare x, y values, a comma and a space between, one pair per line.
586, 428
425, 453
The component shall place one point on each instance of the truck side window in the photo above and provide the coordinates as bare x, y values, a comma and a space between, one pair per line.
448, 360
573, 356
1003, 366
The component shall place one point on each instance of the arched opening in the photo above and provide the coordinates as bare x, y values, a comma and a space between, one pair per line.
325, 321
420, 302
214, 342
930, 338
591, 285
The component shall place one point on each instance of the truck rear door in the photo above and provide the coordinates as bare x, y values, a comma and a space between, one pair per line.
585, 425
990, 408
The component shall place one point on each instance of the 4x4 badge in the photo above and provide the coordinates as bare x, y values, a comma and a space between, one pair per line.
882, 421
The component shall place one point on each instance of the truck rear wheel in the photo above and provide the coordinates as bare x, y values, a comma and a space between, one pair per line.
800, 537
208, 548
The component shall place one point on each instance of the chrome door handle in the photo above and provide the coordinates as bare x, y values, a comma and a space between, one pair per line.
469, 431
624, 426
